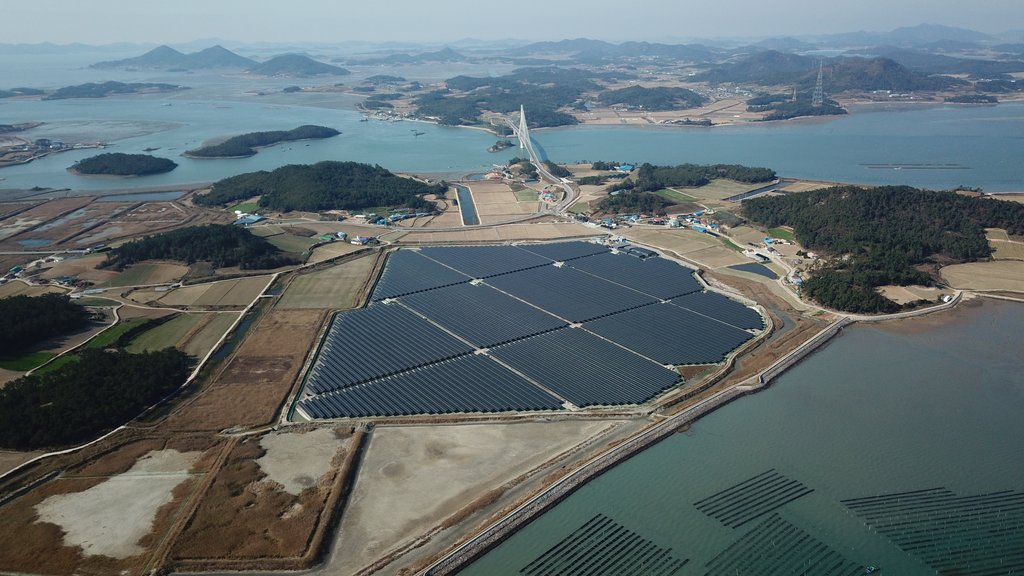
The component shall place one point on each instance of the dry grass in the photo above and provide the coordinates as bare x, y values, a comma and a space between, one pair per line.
1007, 250
254, 384
336, 287
1000, 275
200, 342
907, 294
237, 292
16, 288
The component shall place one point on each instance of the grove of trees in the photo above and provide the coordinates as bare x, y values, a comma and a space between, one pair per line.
29, 320
220, 244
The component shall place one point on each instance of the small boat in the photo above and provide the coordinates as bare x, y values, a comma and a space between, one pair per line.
870, 570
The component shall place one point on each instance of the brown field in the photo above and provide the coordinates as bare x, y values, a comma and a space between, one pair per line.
717, 257
678, 240
108, 515
148, 273
148, 218
1003, 246
9, 208
337, 287
414, 480
36, 216
199, 343
251, 387
1009, 197
451, 218
332, 250
1001, 275
237, 292
59, 231
83, 268
496, 202
907, 294
727, 111
17, 288
529, 231
266, 500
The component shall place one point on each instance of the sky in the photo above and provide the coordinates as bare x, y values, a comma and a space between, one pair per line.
437, 21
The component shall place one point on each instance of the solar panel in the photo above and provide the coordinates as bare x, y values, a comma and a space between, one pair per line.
485, 261
585, 369
722, 308
481, 314
377, 341
564, 251
657, 277
407, 272
473, 383
569, 293
670, 334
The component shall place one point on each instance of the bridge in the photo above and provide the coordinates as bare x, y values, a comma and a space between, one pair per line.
522, 132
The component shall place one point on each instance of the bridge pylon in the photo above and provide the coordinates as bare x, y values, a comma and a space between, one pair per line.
524, 131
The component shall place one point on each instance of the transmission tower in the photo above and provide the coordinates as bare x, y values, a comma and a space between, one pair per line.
819, 90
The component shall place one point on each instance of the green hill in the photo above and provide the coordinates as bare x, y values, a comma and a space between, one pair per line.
120, 164
246, 144
295, 65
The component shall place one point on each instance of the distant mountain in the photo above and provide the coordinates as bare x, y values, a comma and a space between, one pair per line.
587, 50
443, 55
295, 65
775, 68
165, 57
928, 63
913, 36
786, 44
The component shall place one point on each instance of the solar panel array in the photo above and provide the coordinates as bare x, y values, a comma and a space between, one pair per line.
564, 251
670, 334
407, 272
414, 355
585, 369
752, 498
657, 277
569, 293
484, 261
481, 314
473, 383
721, 308
377, 341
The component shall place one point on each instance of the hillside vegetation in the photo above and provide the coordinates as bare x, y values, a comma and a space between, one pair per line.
245, 144
326, 185
103, 89
120, 164
80, 400
877, 236
29, 320
222, 245
650, 178
653, 99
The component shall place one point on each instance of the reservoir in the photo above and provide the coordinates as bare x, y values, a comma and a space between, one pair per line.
466, 206
927, 404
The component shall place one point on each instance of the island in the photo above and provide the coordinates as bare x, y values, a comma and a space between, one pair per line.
500, 145
104, 89
167, 58
295, 65
120, 164
245, 145
328, 185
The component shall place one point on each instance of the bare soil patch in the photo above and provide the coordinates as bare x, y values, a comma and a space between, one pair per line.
1004, 275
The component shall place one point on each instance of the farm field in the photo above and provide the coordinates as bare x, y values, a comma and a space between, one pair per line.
236, 292
1005, 275
16, 288
146, 274
337, 287
36, 216
251, 387
167, 334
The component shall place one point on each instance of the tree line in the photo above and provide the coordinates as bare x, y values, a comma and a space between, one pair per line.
80, 400
328, 185
877, 236
222, 245
245, 144
29, 320
650, 178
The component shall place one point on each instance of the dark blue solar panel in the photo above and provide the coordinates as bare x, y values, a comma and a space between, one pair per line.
485, 261
585, 369
671, 335
659, 277
569, 293
378, 341
473, 383
563, 251
722, 308
481, 314
407, 272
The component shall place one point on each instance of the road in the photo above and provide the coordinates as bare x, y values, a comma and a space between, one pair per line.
569, 193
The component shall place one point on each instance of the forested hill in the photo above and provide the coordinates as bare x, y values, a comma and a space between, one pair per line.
30, 320
326, 185
120, 164
221, 244
650, 178
245, 144
878, 235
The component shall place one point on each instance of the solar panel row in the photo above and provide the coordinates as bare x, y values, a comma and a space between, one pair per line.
407, 272
377, 341
481, 314
484, 261
721, 308
569, 293
472, 383
657, 277
565, 251
670, 335
585, 369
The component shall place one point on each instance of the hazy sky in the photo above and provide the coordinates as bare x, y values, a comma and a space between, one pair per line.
169, 21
